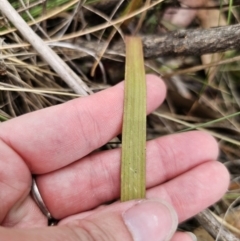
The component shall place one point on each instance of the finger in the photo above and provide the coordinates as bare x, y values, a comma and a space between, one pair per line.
184, 236
55, 137
17, 208
96, 179
130, 221
188, 193
15, 180
25, 215
195, 190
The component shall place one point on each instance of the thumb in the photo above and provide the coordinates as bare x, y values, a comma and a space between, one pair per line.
130, 221
153, 220
139, 220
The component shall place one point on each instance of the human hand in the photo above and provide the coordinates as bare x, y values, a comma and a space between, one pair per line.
55, 144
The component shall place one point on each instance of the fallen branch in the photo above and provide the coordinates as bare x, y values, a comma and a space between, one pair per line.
190, 42
175, 43
213, 227
181, 42
193, 42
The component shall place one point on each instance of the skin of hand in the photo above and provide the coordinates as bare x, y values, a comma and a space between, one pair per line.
57, 145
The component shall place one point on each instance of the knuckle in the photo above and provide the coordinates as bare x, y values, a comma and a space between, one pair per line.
89, 231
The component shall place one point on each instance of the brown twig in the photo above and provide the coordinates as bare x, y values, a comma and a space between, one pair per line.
193, 42
175, 43
213, 227
181, 42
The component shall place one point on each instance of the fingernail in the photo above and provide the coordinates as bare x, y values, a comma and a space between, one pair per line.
192, 235
152, 220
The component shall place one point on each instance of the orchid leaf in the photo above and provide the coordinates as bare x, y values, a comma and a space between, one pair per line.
133, 164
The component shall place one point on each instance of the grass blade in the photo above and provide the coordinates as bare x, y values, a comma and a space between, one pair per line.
133, 166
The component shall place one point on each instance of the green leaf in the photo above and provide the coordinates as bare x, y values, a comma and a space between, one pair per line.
133, 164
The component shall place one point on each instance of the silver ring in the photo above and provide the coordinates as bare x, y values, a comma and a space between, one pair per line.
38, 199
